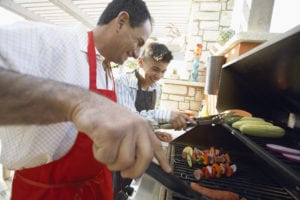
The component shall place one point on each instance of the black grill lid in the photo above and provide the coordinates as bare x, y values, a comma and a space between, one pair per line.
265, 80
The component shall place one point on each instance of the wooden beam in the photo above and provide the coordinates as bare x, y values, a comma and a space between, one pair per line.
19, 10
75, 12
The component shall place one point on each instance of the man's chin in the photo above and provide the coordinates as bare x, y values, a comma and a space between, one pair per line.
153, 81
121, 61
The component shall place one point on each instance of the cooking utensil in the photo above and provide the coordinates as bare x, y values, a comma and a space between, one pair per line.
173, 183
287, 152
228, 116
292, 157
283, 149
214, 119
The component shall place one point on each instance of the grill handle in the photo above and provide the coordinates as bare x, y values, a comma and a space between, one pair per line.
173, 183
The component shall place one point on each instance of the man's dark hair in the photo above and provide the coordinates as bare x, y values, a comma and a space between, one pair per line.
137, 10
158, 52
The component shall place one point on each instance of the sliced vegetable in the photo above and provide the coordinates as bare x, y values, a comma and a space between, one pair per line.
238, 124
217, 169
187, 150
252, 119
283, 149
231, 119
212, 151
198, 174
262, 130
229, 171
227, 157
189, 160
205, 159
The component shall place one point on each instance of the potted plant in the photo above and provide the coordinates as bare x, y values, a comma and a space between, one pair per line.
174, 74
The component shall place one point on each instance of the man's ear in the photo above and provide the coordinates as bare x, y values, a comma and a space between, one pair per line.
122, 19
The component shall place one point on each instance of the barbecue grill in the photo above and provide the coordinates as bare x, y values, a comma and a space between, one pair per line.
266, 82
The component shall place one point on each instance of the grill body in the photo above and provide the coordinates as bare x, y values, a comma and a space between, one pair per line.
255, 178
265, 82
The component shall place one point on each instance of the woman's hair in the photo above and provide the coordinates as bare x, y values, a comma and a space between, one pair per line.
136, 9
158, 52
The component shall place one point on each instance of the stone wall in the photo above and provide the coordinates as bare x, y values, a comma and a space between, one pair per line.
182, 95
207, 19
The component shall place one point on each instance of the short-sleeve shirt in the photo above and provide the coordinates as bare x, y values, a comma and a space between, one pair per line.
51, 52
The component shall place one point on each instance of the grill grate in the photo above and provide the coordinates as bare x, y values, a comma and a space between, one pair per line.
288, 142
249, 183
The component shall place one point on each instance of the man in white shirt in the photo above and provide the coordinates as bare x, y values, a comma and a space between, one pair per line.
57, 161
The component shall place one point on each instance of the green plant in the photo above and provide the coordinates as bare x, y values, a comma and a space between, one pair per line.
174, 71
131, 64
225, 35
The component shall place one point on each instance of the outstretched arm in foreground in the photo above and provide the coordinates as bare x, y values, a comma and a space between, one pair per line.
122, 140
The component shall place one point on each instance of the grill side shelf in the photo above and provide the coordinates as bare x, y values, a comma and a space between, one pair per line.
290, 177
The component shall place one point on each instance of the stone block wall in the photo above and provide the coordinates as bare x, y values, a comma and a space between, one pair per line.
182, 95
207, 19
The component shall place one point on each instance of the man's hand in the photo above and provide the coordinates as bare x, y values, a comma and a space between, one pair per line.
179, 120
163, 136
123, 140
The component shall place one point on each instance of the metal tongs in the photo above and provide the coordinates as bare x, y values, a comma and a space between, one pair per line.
173, 183
215, 119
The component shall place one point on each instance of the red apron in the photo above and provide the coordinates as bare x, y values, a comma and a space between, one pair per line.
77, 175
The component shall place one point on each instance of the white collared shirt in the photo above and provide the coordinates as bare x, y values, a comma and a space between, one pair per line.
126, 89
51, 52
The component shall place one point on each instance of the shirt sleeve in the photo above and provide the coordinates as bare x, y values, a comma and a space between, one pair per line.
24, 45
126, 95
47, 51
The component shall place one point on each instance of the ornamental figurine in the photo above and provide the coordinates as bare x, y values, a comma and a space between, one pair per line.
197, 54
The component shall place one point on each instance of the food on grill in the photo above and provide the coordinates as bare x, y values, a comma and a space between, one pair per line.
204, 157
215, 194
269, 131
283, 149
187, 154
215, 171
256, 126
238, 112
189, 160
187, 151
231, 120
240, 123
252, 119
292, 157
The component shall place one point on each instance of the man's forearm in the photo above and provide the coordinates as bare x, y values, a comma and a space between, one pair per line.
27, 99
